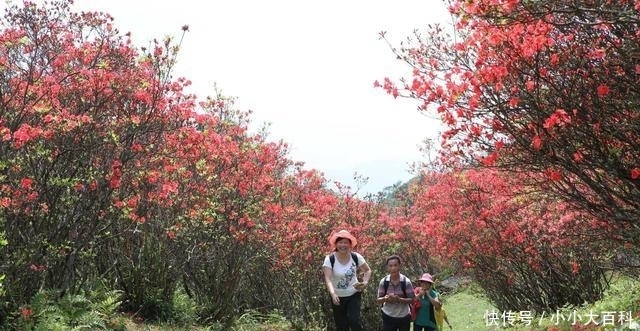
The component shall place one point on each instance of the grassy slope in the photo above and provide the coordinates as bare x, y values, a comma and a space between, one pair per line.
466, 310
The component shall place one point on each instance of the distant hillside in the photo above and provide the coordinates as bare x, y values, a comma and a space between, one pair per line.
397, 195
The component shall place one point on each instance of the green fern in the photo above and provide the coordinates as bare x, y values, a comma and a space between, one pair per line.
107, 302
91, 320
83, 311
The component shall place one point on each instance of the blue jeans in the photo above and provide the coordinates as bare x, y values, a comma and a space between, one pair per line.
347, 314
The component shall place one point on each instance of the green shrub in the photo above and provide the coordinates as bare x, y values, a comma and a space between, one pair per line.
183, 309
94, 311
3, 242
622, 295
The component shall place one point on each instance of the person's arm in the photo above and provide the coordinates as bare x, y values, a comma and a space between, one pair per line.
366, 273
363, 268
327, 280
406, 300
416, 293
382, 298
410, 293
435, 301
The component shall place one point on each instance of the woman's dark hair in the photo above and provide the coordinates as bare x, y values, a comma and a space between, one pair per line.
394, 257
338, 239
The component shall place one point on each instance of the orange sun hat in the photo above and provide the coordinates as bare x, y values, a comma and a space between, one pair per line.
342, 234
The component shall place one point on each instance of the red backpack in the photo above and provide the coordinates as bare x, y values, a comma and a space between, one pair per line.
415, 306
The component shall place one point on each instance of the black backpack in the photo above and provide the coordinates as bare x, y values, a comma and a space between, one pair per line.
403, 285
332, 259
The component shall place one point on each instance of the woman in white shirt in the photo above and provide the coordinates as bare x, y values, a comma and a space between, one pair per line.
341, 269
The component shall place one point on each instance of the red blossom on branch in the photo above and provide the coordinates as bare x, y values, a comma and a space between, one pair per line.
603, 90
560, 92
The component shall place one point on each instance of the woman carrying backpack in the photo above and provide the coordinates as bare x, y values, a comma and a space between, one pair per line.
395, 292
429, 302
341, 269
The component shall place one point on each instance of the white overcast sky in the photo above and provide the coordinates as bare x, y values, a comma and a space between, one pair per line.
305, 67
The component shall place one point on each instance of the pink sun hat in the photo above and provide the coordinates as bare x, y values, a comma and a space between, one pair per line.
426, 277
342, 234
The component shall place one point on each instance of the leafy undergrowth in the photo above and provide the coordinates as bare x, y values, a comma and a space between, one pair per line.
467, 309
250, 321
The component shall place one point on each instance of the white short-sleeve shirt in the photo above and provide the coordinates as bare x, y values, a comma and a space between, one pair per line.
344, 275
